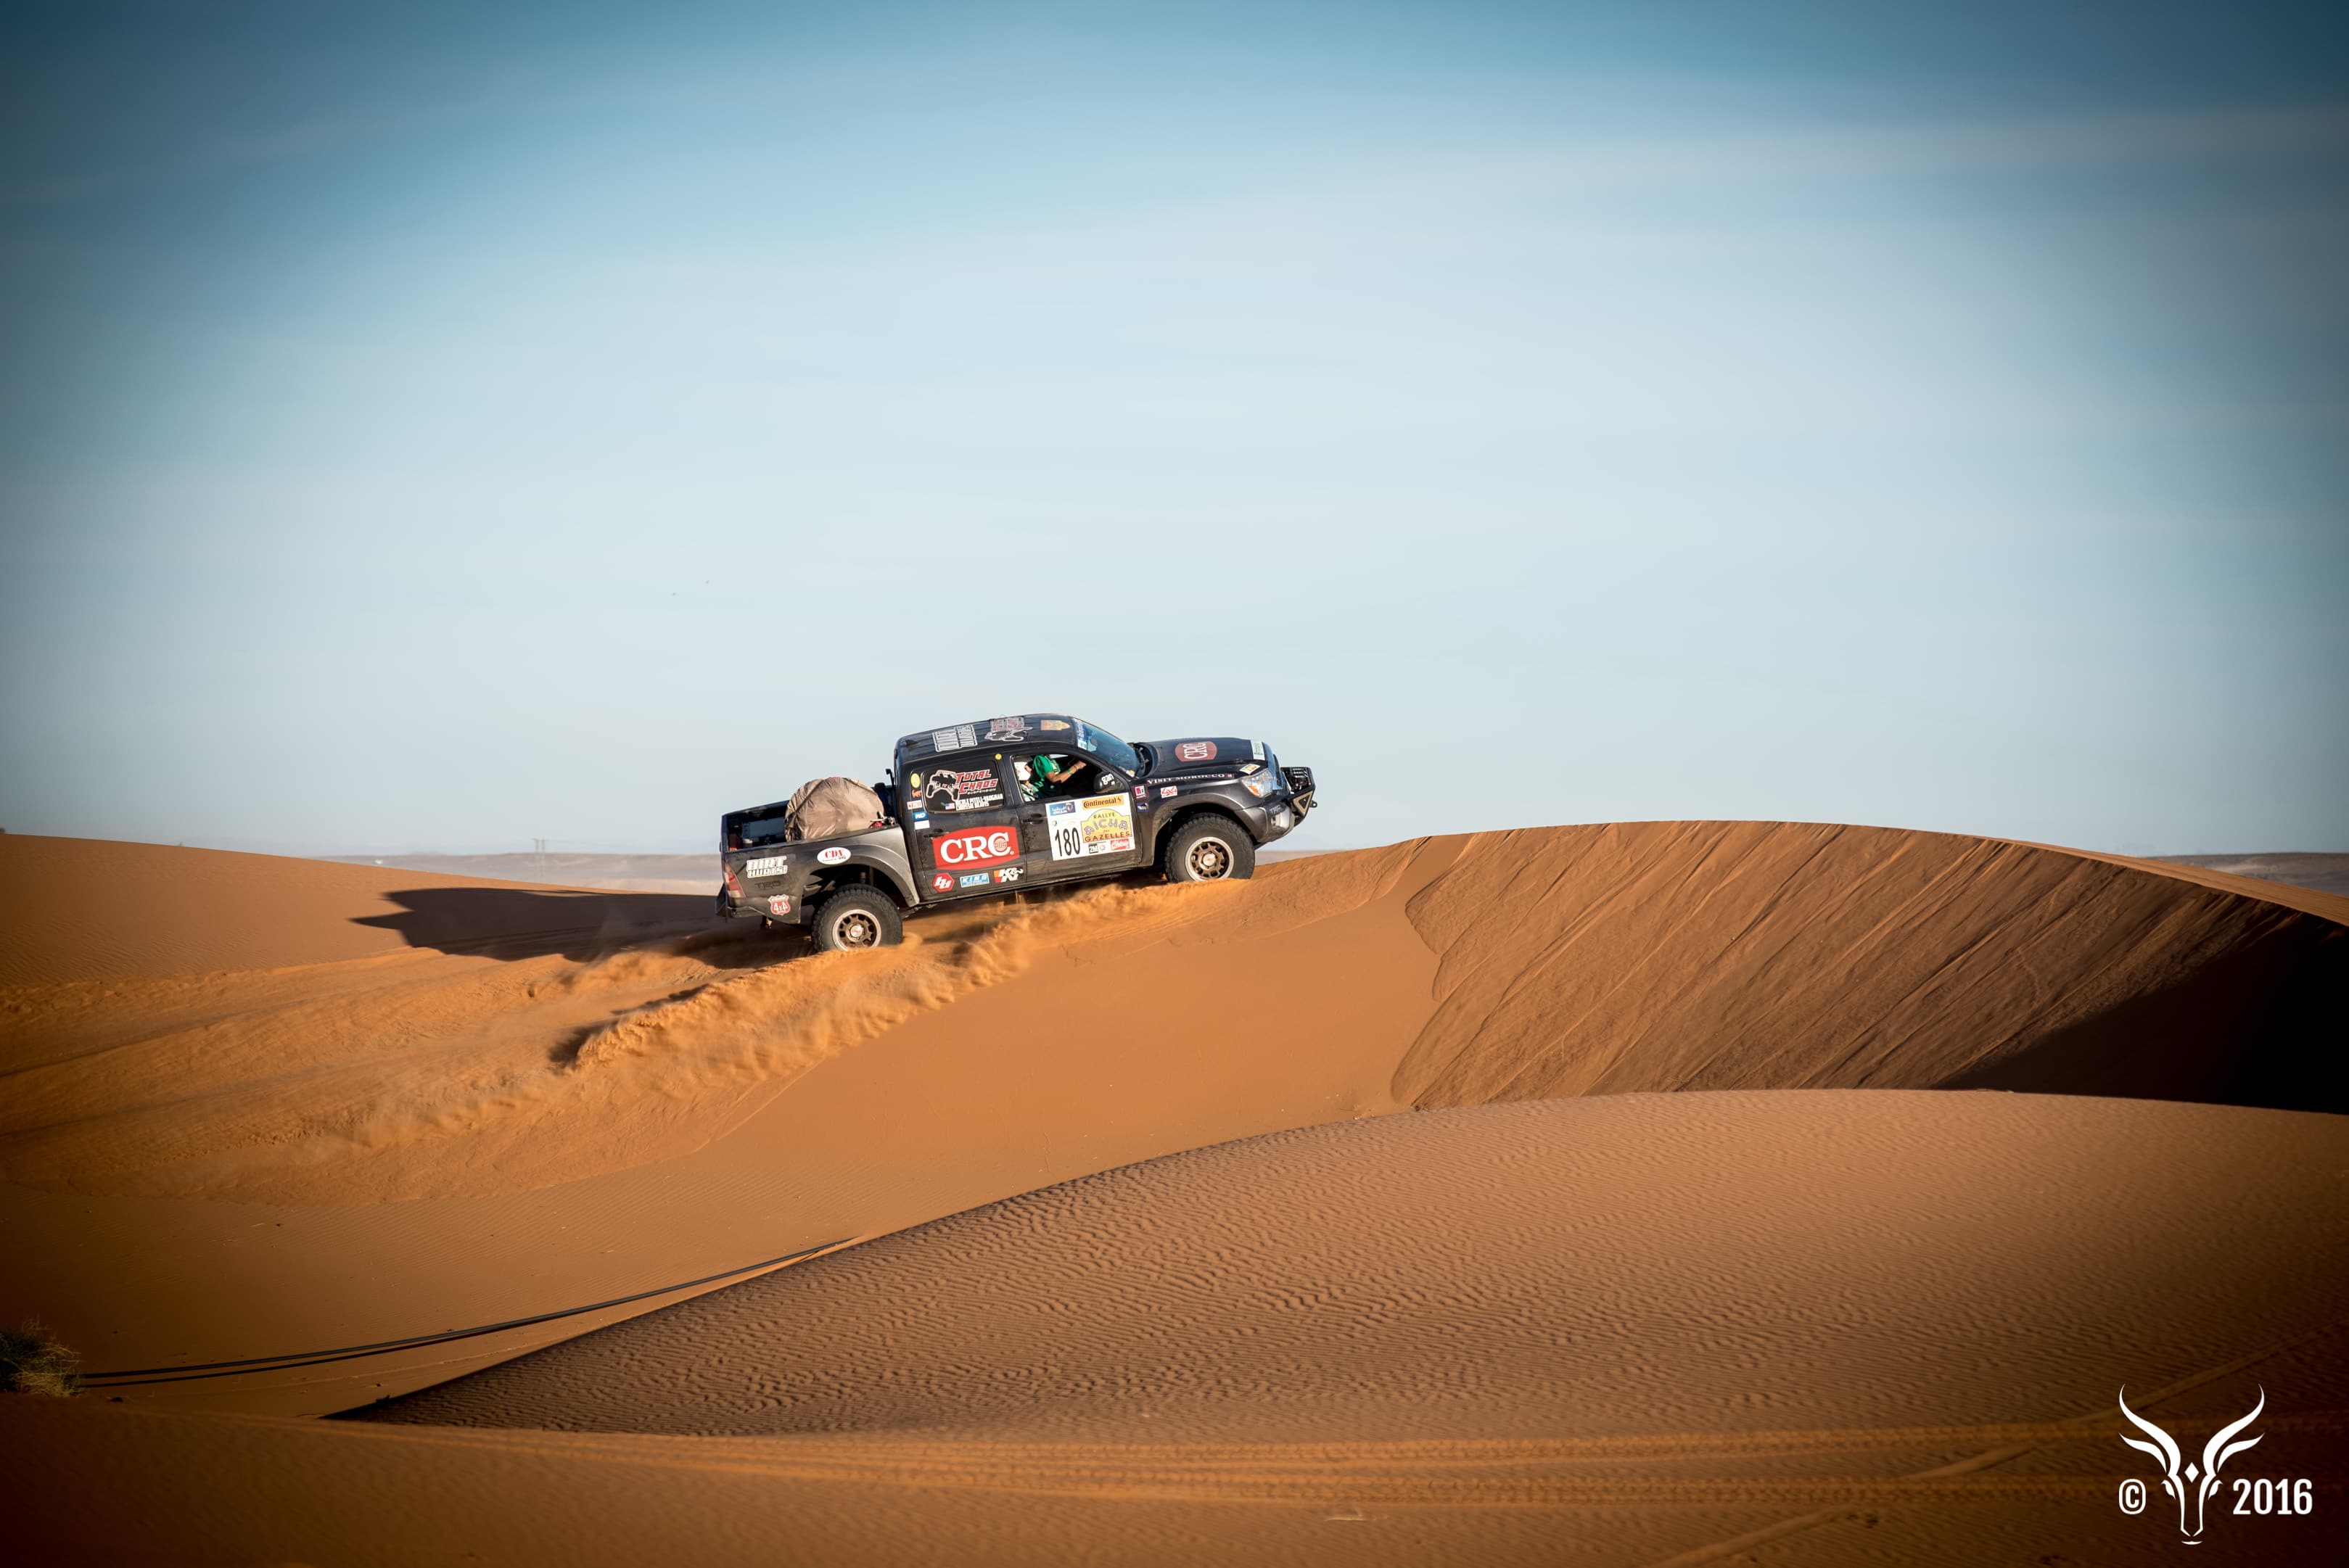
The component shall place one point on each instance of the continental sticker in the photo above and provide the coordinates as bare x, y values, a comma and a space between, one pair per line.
1097, 825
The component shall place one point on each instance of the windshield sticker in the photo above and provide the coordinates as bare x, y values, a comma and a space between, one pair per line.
1056, 724
975, 791
1194, 751
1012, 728
1098, 825
962, 737
964, 847
1255, 749
767, 866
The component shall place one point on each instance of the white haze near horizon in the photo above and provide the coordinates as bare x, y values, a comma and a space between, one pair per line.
581, 448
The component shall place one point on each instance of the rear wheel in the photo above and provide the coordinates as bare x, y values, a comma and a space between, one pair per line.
1209, 849
856, 917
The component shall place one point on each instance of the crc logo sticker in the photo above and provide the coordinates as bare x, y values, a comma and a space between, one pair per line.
942, 883
767, 866
779, 905
1194, 751
2199, 1478
963, 848
832, 857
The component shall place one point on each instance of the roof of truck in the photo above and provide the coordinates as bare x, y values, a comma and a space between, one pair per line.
1010, 730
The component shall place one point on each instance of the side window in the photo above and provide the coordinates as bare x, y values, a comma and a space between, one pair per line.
1064, 776
972, 782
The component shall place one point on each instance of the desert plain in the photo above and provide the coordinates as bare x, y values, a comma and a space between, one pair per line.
1662, 1192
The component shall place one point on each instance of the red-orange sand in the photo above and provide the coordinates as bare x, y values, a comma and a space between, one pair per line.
298, 1107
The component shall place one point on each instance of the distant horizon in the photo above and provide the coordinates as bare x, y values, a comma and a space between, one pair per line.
1298, 842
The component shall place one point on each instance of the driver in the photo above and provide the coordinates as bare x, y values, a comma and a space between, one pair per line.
1045, 774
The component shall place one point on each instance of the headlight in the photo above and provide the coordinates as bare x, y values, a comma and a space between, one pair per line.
1261, 783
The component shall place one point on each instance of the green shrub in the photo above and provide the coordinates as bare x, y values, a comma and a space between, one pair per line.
33, 1362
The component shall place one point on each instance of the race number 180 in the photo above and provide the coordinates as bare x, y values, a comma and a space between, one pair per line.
1068, 842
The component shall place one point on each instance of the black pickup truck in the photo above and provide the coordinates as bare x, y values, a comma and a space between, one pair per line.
984, 808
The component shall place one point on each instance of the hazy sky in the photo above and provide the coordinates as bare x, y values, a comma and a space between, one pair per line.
432, 429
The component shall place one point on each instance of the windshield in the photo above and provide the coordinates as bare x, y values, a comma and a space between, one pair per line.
1107, 747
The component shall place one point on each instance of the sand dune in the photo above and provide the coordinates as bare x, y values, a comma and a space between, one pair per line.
1563, 1268
524, 1038
299, 1105
1864, 1328
1669, 955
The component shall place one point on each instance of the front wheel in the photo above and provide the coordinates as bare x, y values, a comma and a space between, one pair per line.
1209, 849
857, 917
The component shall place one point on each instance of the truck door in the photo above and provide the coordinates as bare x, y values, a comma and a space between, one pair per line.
1079, 822
971, 844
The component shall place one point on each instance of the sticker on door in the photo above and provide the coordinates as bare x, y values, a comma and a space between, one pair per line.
1100, 825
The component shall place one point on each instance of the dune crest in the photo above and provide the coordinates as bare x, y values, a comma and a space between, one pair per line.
1680, 955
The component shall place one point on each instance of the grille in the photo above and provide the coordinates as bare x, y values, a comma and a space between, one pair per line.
1299, 780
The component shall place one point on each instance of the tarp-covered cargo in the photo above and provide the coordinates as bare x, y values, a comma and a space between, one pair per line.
827, 808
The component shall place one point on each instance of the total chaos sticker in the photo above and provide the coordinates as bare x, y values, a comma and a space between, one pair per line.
975, 791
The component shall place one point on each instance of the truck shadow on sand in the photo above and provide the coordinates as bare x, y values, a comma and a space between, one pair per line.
513, 923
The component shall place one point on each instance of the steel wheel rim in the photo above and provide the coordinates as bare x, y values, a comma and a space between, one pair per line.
857, 929
1210, 860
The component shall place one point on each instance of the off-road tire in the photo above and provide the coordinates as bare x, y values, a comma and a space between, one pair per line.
1210, 849
856, 918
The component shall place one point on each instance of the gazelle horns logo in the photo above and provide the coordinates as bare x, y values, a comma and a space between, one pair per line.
2204, 1477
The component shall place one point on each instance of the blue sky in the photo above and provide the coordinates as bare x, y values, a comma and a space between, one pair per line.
438, 432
